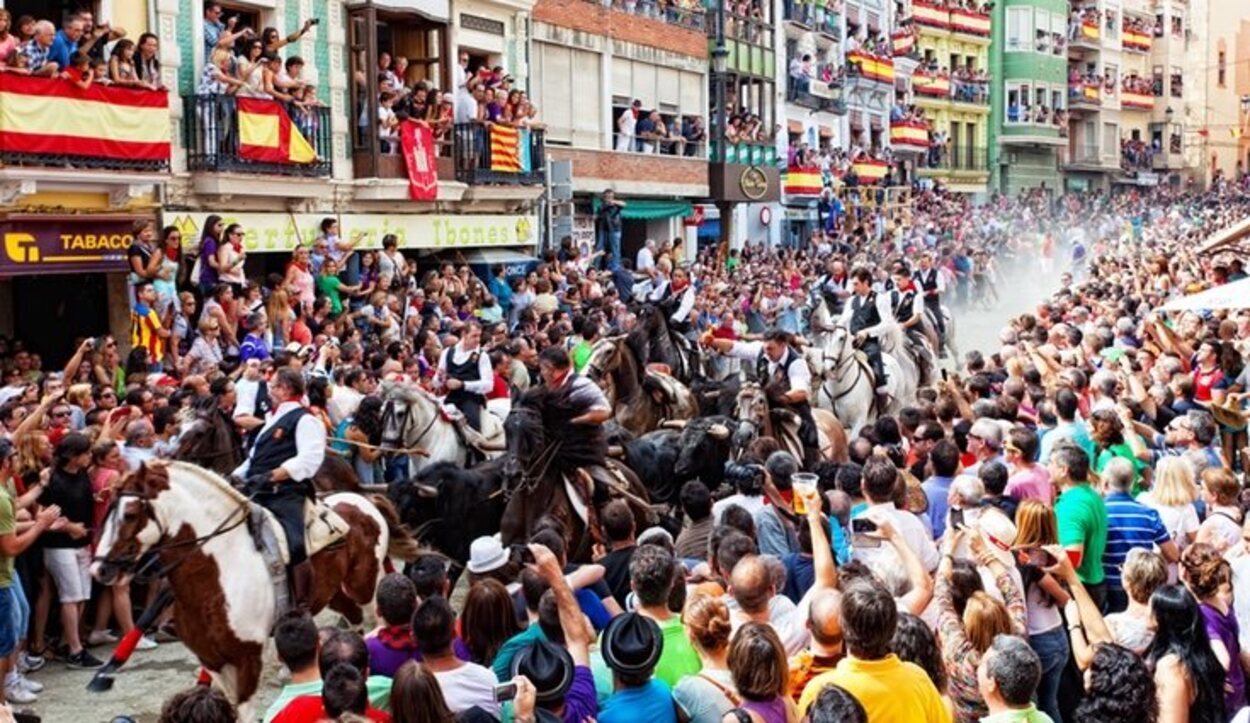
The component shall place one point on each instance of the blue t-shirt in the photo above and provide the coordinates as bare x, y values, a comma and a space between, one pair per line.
62, 50
652, 703
1130, 524
937, 492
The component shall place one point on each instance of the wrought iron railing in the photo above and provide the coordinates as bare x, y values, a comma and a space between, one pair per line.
211, 136
503, 155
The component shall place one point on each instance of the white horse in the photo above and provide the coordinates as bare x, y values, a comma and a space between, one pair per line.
197, 527
413, 419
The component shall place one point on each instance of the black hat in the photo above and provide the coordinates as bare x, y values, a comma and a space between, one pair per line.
632, 644
548, 666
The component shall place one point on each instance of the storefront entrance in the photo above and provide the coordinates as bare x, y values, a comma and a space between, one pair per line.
49, 312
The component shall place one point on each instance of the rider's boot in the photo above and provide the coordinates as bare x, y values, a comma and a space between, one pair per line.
883, 399
811, 457
302, 586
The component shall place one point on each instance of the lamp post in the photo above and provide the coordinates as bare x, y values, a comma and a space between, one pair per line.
720, 60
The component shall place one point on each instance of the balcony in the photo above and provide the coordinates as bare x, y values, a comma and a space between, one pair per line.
931, 19
1136, 156
1137, 40
971, 25
691, 17
941, 161
1135, 94
37, 108
1087, 35
499, 155
815, 93
264, 137
1085, 96
807, 16
909, 136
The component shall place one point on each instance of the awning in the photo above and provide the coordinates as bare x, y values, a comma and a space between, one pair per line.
826, 132
794, 126
647, 209
1229, 237
1229, 296
432, 9
488, 256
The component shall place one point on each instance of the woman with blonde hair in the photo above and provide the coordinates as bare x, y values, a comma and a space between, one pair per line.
280, 315
1044, 599
706, 696
1172, 495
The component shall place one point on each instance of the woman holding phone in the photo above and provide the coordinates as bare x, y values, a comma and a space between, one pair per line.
1044, 599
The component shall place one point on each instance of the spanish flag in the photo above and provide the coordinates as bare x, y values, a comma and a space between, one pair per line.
1136, 100
931, 15
968, 22
802, 182
909, 134
266, 134
505, 144
870, 171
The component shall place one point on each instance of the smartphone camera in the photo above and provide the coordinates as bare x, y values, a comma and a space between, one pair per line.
315, 21
505, 692
863, 525
520, 555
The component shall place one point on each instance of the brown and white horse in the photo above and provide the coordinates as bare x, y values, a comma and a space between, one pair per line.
757, 419
196, 525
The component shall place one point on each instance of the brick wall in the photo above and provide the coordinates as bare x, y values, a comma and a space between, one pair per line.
613, 166
593, 17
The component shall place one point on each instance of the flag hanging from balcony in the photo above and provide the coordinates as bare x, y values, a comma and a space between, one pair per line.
505, 153
417, 141
50, 116
801, 182
267, 135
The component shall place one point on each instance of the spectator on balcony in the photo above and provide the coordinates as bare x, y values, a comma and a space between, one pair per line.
650, 130
273, 42
37, 51
8, 40
66, 42
104, 33
122, 64
692, 130
627, 126
388, 124
217, 80
148, 62
384, 69
218, 34
467, 110
79, 72
250, 68
801, 75
272, 89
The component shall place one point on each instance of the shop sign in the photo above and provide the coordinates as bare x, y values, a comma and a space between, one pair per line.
64, 246
753, 182
584, 235
278, 232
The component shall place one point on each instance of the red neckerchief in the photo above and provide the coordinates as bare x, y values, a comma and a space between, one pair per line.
398, 637
677, 289
563, 378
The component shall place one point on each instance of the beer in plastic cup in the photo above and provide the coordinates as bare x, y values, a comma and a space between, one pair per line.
802, 483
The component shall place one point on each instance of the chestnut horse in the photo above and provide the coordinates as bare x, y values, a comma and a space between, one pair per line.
197, 526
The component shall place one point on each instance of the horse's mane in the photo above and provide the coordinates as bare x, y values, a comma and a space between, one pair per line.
578, 445
209, 477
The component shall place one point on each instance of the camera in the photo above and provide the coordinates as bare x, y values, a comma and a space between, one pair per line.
315, 21
748, 479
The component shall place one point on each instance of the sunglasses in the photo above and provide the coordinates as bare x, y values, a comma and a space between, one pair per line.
59, 415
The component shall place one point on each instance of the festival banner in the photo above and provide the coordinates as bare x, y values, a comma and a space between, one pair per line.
1138, 101
870, 171
934, 86
1137, 40
504, 149
930, 15
963, 21
267, 135
417, 141
55, 117
1090, 31
903, 44
905, 133
801, 182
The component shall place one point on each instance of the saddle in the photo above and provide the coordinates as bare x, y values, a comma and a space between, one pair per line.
323, 527
663, 386
488, 441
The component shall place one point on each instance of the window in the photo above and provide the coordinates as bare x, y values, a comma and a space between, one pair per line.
1015, 103
1058, 100
1110, 139
1019, 29
1111, 76
568, 121
1222, 69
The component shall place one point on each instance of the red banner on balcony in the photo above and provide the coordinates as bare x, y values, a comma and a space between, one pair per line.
1137, 40
51, 116
267, 135
931, 15
870, 171
417, 141
903, 44
913, 134
963, 21
802, 182
1139, 101
934, 86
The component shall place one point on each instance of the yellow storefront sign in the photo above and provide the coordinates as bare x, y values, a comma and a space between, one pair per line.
276, 232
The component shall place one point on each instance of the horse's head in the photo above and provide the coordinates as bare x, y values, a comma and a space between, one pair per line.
751, 413
406, 411
133, 524
819, 317
525, 435
605, 358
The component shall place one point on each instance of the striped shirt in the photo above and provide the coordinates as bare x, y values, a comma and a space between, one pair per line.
1130, 525
145, 327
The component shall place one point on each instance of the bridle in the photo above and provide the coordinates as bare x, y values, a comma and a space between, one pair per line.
541, 464
841, 361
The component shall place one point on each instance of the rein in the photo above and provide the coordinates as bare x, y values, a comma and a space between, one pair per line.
226, 525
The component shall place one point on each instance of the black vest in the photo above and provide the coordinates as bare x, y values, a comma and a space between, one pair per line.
276, 444
864, 312
261, 411
929, 284
468, 371
903, 301
782, 373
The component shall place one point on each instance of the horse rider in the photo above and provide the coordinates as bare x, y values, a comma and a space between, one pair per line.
465, 373
278, 474
833, 284
591, 405
868, 316
908, 304
786, 377
676, 300
933, 284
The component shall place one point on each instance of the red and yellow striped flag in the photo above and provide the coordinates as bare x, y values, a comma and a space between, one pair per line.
802, 182
267, 135
504, 149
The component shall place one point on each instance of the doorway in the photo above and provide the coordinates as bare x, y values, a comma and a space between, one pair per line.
48, 313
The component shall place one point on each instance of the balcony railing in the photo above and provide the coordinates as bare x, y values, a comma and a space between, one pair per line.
963, 160
1137, 156
823, 19
497, 154
215, 139
1084, 94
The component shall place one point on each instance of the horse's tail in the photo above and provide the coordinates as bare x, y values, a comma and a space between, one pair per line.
403, 545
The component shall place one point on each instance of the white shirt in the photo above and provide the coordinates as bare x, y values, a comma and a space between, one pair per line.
883, 310
800, 376
469, 685
646, 260
685, 306
788, 620
310, 444
913, 533
750, 504
245, 393
342, 403
460, 355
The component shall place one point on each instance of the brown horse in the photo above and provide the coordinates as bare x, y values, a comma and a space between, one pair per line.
642, 398
757, 418
197, 526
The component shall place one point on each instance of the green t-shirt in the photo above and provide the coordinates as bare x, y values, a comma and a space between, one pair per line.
1121, 450
678, 658
1082, 519
329, 285
8, 525
581, 355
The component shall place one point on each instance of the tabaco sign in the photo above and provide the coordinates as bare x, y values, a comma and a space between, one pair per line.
64, 246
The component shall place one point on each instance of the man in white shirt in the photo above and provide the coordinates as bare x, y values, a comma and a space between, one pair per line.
645, 263
868, 316
880, 478
625, 125
278, 473
465, 372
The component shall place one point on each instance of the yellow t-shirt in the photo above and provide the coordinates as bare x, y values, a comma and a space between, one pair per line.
890, 690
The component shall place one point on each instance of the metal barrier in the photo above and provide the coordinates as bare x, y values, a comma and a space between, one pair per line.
211, 137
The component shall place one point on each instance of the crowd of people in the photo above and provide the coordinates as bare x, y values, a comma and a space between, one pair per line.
1136, 155
77, 51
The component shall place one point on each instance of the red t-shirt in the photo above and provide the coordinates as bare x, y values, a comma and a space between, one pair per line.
1204, 382
500, 390
308, 709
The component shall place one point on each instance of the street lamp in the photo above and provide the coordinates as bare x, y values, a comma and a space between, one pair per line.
720, 62
720, 59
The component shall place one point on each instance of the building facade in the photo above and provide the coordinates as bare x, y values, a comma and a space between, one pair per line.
1227, 84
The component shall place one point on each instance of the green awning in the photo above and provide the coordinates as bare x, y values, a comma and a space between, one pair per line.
646, 209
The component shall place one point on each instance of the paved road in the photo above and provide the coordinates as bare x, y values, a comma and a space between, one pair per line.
152, 677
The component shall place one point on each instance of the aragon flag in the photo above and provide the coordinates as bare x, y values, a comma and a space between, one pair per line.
267, 135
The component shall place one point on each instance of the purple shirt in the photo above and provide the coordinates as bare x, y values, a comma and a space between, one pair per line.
208, 249
1223, 628
772, 711
580, 702
385, 660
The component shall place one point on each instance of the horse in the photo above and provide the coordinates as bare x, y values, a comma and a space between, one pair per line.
197, 526
665, 346
642, 398
559, 470
413, 419
755, 418
935, 341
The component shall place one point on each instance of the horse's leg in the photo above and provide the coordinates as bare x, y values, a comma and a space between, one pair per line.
239, 680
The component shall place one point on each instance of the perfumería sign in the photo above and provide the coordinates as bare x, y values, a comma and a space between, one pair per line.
278, 232
64, 246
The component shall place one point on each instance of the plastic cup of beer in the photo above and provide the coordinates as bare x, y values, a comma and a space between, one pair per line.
803, 483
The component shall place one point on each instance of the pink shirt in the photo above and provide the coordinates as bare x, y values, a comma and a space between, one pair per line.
303, 283
1032, 483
